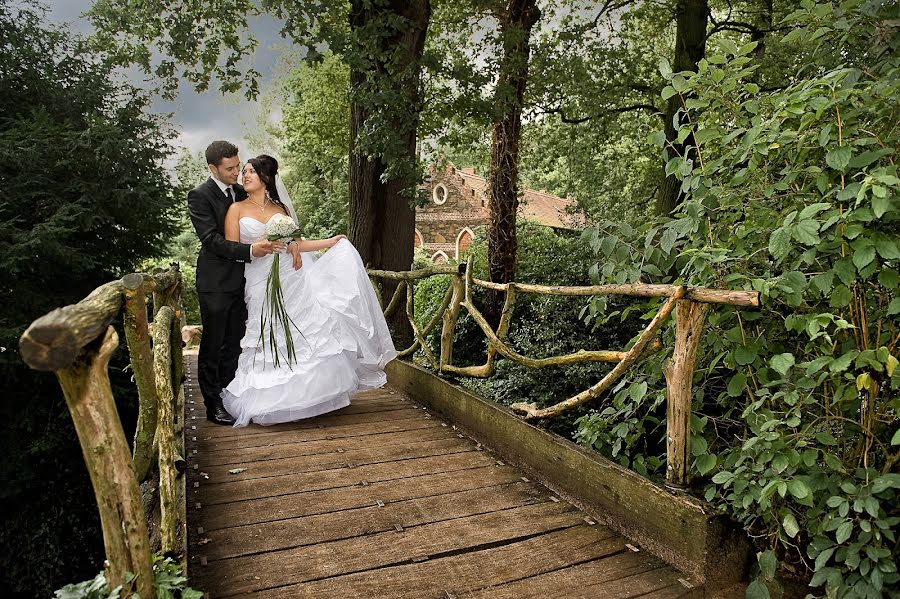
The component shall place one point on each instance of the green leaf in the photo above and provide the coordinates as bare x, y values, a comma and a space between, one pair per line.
887, 248
840, 297
889, 278
782, 363
780, 243
839, 158
768, 563
863, 255
894, 307
665, 68
880, 205
757, 590
745, 355
791, 528
706, 463
844, 531
737, 384
845, 271
813, 209
806, 232
826, 438
895, 440
721, 477
637, 392
799, 489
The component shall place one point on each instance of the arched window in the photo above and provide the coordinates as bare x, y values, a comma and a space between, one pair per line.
418, 241
463, 241
440, 257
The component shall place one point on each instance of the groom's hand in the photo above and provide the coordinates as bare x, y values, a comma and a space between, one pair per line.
294, 249
264, 248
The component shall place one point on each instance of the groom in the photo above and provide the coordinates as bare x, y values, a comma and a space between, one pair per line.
220, 276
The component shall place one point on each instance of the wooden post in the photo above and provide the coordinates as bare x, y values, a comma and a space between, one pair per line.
679, 370
89, 396
165, 433
137, 334
449, 325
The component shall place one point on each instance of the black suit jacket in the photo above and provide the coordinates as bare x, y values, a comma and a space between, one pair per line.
220, 265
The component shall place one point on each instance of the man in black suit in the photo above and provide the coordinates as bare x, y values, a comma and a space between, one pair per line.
220, 276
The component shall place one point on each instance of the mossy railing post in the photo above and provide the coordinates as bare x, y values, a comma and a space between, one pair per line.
75, 342
165, 434
137, 334
679, 371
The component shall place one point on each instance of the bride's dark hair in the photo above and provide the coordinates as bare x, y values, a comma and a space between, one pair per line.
266, 168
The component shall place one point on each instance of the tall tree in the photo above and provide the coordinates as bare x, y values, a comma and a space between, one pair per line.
380, 40
80, 153
517, 19
691, 18
385, 82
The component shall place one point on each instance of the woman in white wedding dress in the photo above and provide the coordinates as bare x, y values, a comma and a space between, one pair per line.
343, 343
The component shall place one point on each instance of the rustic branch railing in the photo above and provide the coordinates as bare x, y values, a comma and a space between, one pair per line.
689, 304
76, 342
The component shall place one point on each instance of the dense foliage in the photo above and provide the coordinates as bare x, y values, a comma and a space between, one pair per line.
795, 194
82, 203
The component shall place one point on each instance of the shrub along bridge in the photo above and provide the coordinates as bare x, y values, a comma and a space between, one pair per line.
419, 489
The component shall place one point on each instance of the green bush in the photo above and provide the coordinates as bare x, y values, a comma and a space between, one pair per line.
793, 193
170, 584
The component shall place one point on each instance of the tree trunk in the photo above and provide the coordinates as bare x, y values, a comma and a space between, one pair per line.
382, 213
691, 18
516, 22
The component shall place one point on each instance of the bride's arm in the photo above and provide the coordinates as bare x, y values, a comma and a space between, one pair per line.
313, 245
233, 223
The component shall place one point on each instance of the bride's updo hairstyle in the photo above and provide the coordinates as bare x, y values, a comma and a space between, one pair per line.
266, 168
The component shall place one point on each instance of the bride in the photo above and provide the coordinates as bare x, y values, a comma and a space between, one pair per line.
343, 341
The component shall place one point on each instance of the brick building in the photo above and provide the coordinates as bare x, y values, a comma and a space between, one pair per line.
458, 203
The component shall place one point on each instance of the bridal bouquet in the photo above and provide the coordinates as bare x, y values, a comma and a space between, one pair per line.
274, 316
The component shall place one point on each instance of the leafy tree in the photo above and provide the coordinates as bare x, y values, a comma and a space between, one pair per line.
315, 137
793, 193
381, 42
83, 202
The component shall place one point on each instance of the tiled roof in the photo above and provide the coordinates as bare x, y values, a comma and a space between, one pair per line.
540, 206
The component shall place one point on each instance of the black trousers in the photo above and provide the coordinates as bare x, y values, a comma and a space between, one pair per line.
224, 319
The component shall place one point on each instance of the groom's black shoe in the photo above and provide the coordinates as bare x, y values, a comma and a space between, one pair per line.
219, 415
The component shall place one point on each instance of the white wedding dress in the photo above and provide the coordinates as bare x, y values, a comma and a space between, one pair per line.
343, 348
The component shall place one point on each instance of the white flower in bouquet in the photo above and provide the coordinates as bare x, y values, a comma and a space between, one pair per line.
279, 228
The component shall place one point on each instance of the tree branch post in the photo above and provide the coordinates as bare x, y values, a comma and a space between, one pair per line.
679, 371
165, 434
137, 334
90, 400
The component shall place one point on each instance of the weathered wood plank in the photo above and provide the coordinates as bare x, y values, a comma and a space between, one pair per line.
308, 434
226, 432
319, 446
596, 578
308, 503
266, 570
682, 530
457, 574
329, 461
212, 494
320, 528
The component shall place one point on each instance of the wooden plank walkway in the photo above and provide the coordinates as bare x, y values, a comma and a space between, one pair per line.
382, 499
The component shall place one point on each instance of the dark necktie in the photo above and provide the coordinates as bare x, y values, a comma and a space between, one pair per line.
228, 194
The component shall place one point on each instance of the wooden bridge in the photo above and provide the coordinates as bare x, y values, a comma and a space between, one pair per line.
415, 490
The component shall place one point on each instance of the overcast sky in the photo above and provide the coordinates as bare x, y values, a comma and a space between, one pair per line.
201, 118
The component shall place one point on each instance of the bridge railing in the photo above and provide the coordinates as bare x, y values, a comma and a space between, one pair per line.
76, 342
689, 305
